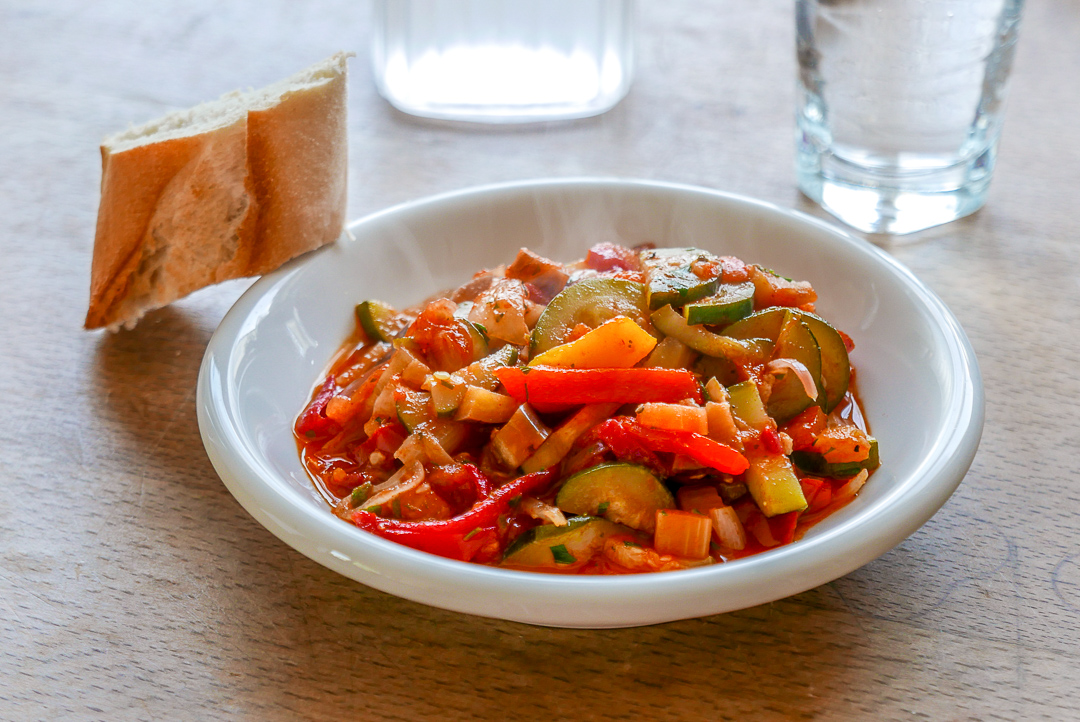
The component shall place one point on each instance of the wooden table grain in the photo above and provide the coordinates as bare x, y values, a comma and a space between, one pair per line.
133, 586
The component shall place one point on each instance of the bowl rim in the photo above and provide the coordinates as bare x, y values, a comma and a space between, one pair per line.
390, 567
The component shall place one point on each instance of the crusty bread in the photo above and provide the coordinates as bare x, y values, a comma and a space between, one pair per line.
231, 188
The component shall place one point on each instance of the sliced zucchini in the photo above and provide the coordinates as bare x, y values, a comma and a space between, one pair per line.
590, 302
730, 303
561, 547
379, 321
746, 404
835, 365
413, 407
671, 323
814, 463
763, 324
482, 373
623, 493
772, 482
446, 390
788, 397
670, 278
671, 353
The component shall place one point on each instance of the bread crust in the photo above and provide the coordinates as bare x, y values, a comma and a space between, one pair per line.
179, 213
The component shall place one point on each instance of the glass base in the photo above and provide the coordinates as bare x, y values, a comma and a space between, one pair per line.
897, 201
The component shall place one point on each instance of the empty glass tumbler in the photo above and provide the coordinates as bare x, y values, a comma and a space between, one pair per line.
503, 61
900, 107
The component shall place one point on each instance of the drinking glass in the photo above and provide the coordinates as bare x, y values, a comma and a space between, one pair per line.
503, 61
900, 107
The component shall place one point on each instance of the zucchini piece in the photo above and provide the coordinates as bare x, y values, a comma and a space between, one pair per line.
671, 353
519, 437
379, 321
446, 390
590, 302
670, 278
788, 398
623, 493
724, 370
814, 463
482, 373
413, 407
561, 547
670, 323
746, 404
774, 486
835, 365
731, 302
763, 324
478, 336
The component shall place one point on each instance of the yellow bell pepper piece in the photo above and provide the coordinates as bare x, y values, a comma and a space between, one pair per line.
619, 343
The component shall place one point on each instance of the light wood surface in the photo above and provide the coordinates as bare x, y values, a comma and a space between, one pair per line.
133, 586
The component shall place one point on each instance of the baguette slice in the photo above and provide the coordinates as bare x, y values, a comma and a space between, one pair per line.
230, 188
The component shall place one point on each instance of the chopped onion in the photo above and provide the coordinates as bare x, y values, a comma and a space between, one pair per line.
405, 479
545, 512
727, 528
852, 487
776, 368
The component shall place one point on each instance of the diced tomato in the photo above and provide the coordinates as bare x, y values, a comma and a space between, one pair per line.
782, 526
842, 444
770, 439
732, 270
443, 339
313, 422
849, 344
461, 485
702, 449
612, 257
805, 427
818, 493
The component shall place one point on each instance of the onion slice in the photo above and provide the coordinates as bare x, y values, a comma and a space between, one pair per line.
780, 366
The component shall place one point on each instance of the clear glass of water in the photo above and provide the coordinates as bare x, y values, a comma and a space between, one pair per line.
900, 107
503, 61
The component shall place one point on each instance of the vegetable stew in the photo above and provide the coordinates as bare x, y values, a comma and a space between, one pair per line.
641, 409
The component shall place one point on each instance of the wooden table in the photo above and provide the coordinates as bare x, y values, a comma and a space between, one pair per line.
133, 586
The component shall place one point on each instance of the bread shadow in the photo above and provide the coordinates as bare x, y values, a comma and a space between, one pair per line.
145, 381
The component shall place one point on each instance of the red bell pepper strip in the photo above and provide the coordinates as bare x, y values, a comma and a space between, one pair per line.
782, 526
462, 537
701, 449
313, 421
553, 385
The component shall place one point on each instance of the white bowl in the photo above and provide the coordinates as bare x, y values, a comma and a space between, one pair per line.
917, 376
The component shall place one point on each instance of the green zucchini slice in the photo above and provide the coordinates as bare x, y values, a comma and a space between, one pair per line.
623, 493
561, 547
590, 302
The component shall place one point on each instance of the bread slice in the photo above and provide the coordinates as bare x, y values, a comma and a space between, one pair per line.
231, 188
